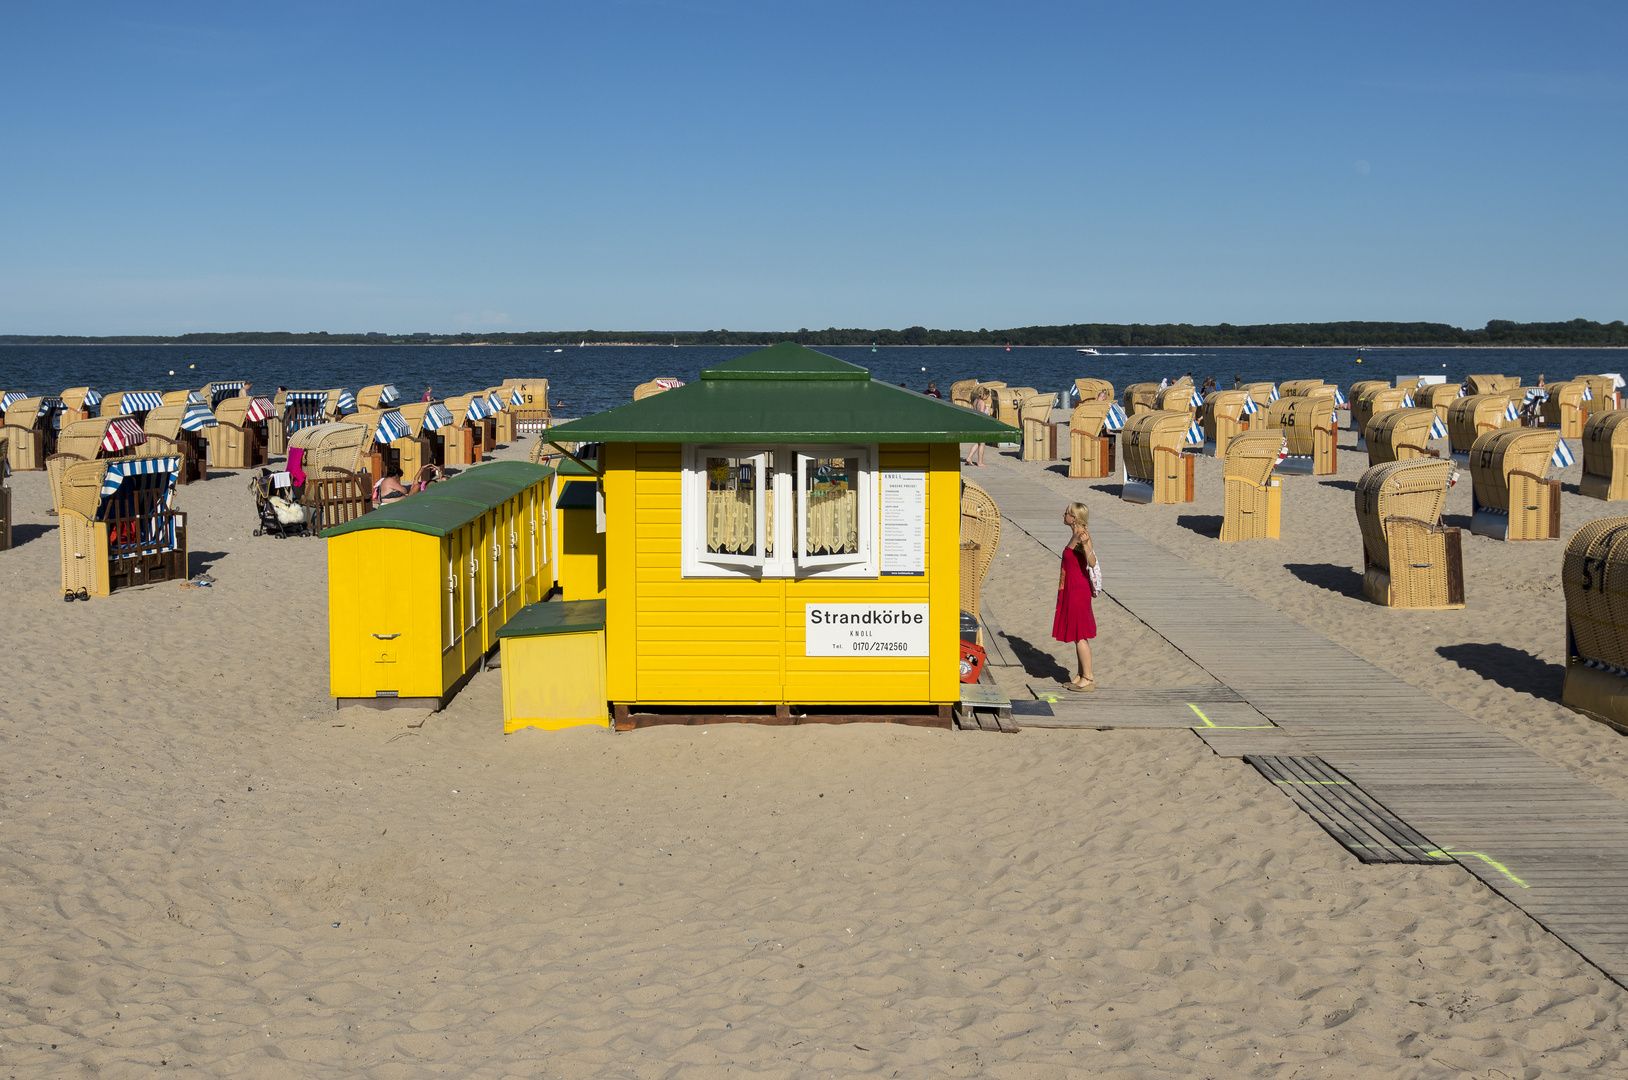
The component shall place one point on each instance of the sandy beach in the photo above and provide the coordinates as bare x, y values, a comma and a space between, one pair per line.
207, 867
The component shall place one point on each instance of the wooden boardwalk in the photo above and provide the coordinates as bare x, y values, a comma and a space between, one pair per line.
1550, 842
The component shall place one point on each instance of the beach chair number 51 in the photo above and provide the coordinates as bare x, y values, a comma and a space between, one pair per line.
1593, 565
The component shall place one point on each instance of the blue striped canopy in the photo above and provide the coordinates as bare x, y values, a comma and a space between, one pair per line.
140, 401
495, 400
436, 417
1339, 399
222, 390
389, 395
1562, 455
479, 408
1275, 395
1251, 406
1114, 422
306, 395
1438, 430
1195, 435
1510, 412
347, 401
93, 397
516, 398
1407, 401
198, 417
1198, 401
194, 396
1588, 392
391, 427
120, 468
10, 396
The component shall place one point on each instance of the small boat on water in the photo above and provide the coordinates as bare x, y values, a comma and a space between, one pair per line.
1089, 352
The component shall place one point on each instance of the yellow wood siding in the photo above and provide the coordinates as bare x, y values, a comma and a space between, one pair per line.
717, 641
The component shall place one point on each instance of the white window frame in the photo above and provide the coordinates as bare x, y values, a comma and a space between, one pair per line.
864, 483
782, 499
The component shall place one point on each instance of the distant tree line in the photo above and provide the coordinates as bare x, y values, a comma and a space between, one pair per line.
1498, 332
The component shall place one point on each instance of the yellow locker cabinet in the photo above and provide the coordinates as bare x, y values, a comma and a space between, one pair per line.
419, 588
554, 667
582, 545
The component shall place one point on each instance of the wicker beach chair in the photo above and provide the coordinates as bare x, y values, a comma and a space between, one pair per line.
1400, 435
1594, 579
118, 525
980, 538
531, 415
1605, 456
1178, 398
178, 431
1410, 383
27, 430
1410, 559
1468, 418
1311, 429
379, 396
1140, 397
54, 465
1438, 396
102, 437
223, 390
1222, 418
1088, 389
961, 392
1254, 497
5, 501
238, 439
78, 403
1156, 468
1300, 387
421, 447
1604, 390
136, 403
1009, 403
1512, 497
462, 441
333, 458
1040, 436
1492, 384
655, 386
1355, 393
1564, 408
1373, 401
1091, 452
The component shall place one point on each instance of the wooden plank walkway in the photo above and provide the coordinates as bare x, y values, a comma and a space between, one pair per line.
1550, 842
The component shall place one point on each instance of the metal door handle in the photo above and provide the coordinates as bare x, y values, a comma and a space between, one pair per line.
387, 637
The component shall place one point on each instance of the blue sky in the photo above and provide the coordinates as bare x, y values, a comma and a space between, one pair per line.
758, 165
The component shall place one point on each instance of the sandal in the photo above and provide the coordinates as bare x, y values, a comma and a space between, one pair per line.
1080, 687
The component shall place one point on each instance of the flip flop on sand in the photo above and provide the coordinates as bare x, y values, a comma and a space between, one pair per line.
1081, 687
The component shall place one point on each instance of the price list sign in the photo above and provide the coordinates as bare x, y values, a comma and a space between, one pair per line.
904, 524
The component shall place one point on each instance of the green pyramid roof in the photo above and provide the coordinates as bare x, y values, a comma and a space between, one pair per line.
787, 393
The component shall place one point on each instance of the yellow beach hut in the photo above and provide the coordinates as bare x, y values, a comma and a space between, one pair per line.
782, 538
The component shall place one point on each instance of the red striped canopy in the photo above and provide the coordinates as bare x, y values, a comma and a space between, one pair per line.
123, 431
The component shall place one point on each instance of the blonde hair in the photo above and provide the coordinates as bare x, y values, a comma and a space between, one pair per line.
1081, 514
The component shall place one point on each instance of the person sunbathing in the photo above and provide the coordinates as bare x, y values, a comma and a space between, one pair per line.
389, 487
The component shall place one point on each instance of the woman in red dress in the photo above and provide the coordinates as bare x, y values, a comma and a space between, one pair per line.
1074, 620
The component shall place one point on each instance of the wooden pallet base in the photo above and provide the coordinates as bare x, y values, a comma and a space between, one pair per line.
626, 719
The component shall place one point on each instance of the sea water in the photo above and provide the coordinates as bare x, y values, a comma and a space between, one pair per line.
585, 380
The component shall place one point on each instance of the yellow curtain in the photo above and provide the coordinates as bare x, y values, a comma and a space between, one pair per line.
833, 522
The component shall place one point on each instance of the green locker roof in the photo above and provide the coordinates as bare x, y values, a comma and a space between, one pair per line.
556, 617
787, 393
445, 507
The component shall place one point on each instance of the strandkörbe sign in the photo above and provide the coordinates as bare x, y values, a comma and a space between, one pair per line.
865, 630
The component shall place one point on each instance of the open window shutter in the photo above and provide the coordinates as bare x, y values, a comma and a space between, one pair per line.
836, 520
725, 521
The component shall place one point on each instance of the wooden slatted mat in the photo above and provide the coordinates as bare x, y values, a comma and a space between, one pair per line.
1548, 841
1346, 812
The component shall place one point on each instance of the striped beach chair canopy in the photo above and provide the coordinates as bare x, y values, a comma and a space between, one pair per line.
1511, 412
347, 402
1438, 428
198, 417
1341, 403
121, 432
437, 416
297, 396
259, 409
1562, 455
1195, 434
389, 395
1251, 406
391, 426
479, 409
1114, 422
93, 397
220, 391
121, 469
9, 398
139, 401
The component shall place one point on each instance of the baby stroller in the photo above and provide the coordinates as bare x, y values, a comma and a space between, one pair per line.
281, 514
